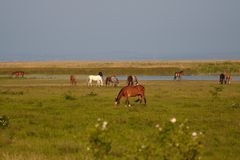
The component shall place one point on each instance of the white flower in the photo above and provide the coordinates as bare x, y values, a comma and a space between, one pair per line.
160, 129
99, 119
194, 134
200, 133
88, 148
157, 126
173, 120
96, 125
104, 125
143, 146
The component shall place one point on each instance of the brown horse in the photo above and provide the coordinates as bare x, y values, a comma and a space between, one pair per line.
131, 91
177, 75
112, 80
18, 74
132, 80
228, 79
73, 80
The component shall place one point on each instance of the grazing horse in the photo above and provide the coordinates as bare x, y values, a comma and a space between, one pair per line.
131, 91
177, 75
112, 80
18, 74
96, 78
228, 79
132, 80
73, 80
221, 78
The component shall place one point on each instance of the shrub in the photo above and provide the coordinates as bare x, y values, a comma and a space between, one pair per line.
176, 141
69, 96
4, 121
99, 141
216, 91
92, 94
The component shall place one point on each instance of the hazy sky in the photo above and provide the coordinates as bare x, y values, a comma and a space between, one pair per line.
119, 29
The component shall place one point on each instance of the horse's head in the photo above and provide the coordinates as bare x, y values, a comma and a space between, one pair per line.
117, 102
100, 74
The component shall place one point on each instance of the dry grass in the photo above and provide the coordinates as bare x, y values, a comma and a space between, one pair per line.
113, 64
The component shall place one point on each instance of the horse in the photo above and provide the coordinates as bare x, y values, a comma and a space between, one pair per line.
131, 91
73, 80
228, 79
177, 75
221, 78
112, 80
96, 78
132, 80
18, 74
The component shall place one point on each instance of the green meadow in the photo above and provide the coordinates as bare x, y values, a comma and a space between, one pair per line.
49, 119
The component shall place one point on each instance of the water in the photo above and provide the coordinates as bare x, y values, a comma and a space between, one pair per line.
84, 77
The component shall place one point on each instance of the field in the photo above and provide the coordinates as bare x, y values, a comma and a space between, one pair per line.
205, 67
49, 119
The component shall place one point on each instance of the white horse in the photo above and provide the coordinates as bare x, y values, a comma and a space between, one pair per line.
96, 78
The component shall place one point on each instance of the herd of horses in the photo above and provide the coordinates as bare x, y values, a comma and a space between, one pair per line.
225, 78
18, 74
132, 89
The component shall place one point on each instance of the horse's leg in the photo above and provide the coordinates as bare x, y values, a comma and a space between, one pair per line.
90, 82
145, 100
127, 102
141, 97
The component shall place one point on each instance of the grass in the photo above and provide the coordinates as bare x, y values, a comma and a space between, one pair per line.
49, 119
123, 68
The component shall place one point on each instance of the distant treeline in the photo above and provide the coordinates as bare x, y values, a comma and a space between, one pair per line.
194, 69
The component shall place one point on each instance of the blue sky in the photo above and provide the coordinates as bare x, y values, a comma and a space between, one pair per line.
119, 29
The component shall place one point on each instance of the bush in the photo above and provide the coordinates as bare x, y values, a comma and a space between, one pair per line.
69, 96
4, 121
216, 91
173, 141
176, 141
99, 141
